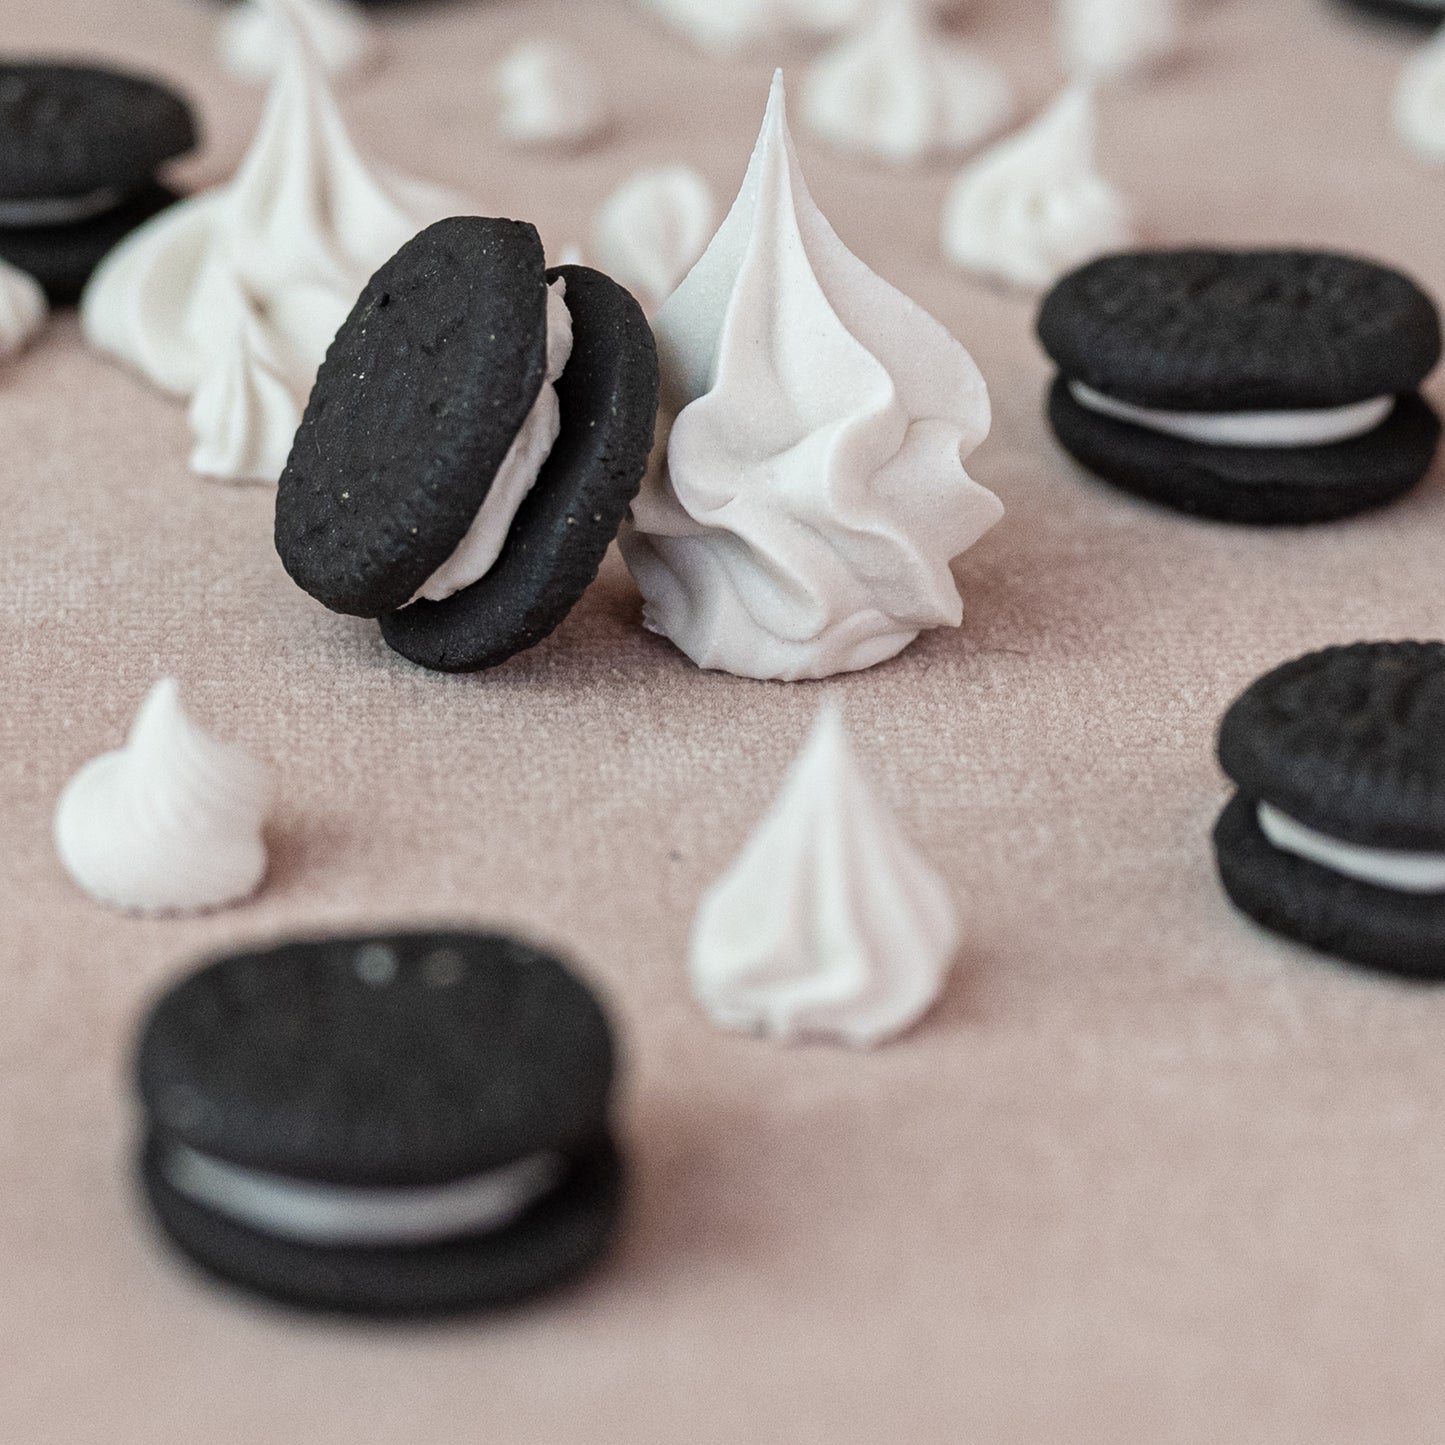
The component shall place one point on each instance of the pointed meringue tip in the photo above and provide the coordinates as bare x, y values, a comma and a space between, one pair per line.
777, 95
161, 703
829, 728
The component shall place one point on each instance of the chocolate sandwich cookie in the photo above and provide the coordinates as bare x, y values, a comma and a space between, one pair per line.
80, 147
475, 436
1411, 12
1264, 387
398, 1124
1336, 837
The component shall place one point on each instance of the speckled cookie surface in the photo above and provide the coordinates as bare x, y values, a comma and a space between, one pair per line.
608, 396
1378, 928
553, 1241
63, 258
1209, 330
1259, 486
66, 130
1347, 741
396, 1059
414, 409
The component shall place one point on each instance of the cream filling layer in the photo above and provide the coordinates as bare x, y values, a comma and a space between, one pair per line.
1405, 872
335, 1216
56, 210
477, 552
1246, 428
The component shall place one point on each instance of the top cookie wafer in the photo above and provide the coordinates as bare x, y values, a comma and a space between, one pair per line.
1205, 330
67, 130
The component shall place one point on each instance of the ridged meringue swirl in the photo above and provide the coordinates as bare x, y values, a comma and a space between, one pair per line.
550, 95
898, 91
829, 925
1106, 39
340, 36
292, 239
650, 231
730, 26
1034, 207
1420, 100
813, 492
23, 308
170, 823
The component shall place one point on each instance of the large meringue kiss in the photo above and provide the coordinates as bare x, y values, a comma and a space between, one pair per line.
291, 240
1420, 100
1034, 207
1106, 39
730, 26
23, 309
550, 95
829, 925
648, 233
898, 91
340, 36
813, 492
172, 822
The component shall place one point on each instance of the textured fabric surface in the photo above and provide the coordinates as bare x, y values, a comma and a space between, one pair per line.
1146, 1174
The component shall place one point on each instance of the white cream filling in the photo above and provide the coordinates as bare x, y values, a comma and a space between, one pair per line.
1403, 871
335, 1216
56, 210
479, 549
1246, 428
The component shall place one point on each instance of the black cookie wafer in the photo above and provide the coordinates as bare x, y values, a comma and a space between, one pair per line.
1377, 928
608, 395
73, 130
1262, 486
1409, 12
1341, 749
1347, 740
421, 398
381, 1073
1212, 330
63, 258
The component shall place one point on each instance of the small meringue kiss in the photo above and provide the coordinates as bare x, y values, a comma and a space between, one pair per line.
170, 823
650, 232
338, 33
23, 309
550, 95
1033, 206
1420, 100
899, 91
1107, 39
830, 925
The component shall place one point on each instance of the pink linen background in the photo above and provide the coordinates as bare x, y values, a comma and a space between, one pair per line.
1145, 1175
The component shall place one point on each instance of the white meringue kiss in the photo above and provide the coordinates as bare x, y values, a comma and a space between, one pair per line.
474, 555
1420, 100
338, 32
170, 823
813, 493
550, 95
729, 26
23, 309
898, 91
1106, 39
292, 239
1034, 207
650, 231
829, 925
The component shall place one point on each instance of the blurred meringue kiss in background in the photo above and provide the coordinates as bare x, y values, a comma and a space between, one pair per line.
1034, 207
549, 96
231, 297
763, 544
650, 231
829, 925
